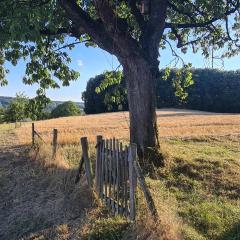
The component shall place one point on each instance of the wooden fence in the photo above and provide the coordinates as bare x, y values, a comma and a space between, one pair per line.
116, 174
36, 135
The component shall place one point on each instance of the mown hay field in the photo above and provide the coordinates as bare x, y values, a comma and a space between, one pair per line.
171, 123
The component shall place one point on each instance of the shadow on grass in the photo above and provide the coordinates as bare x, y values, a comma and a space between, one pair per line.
232, 234
39, 200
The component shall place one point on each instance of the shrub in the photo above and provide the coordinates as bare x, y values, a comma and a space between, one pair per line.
66, 109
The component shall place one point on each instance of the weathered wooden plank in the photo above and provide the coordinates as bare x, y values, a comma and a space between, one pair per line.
131, 159
106, 171
54, 143
145, 190
33, 134
84, 144
102, 170
126, 188
79, 172
114, 175
110, 172
98, 164
118, 175
122, 175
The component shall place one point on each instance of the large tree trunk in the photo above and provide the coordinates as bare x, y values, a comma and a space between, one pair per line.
141, 77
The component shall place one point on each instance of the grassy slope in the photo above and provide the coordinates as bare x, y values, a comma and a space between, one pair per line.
200, 182
204, 177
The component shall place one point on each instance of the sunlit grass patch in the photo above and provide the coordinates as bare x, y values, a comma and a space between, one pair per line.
7, 126
204, 177
110, 228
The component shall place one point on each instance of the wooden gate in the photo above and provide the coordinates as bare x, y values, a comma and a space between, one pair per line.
116, 174
115, 179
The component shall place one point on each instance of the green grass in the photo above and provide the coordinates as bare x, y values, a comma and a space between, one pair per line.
10, 126
200, 184
110, 228
6, 126
204, 177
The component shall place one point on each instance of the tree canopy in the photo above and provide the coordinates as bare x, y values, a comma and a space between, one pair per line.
38, 31
66, 109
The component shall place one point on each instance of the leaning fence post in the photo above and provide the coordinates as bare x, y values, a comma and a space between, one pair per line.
54, 143
84, 144
132, 179
145, 190
33, 134
98, 164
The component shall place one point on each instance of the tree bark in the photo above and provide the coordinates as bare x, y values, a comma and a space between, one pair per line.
141, 77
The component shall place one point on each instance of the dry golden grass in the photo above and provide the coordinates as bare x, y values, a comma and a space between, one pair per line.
171, 123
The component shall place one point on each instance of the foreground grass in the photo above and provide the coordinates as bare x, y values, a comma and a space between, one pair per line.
204, 177
200, 183
197, 193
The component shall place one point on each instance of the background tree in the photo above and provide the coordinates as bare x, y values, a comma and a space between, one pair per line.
102, 96
66, 109
17, 109
212, 91
2, 113
132, 30
36, 108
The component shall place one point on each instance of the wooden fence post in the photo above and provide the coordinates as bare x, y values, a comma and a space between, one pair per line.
98, 163
79, 172
54, 143
132, 179
84, 144
33, 134
145, 190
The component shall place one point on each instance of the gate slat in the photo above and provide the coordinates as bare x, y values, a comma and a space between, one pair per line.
106, 172
126, 181
114, 175
117, 165
110, 156
122, 179
102, 170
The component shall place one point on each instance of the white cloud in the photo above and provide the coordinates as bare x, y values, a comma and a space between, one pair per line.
80, 63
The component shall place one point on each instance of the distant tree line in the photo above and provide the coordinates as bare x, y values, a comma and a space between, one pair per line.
23, 109
213, 90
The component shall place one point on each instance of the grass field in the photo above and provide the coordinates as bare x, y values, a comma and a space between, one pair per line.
171, 123
197, 193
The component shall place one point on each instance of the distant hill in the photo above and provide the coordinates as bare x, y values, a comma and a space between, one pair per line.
4, 102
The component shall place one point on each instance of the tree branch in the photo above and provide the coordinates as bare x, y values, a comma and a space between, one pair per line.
205, 23
118, 29
48, 32
154, 28
85, 24
72, 44
137, 14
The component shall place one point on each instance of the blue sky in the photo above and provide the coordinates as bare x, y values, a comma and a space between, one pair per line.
92, 61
